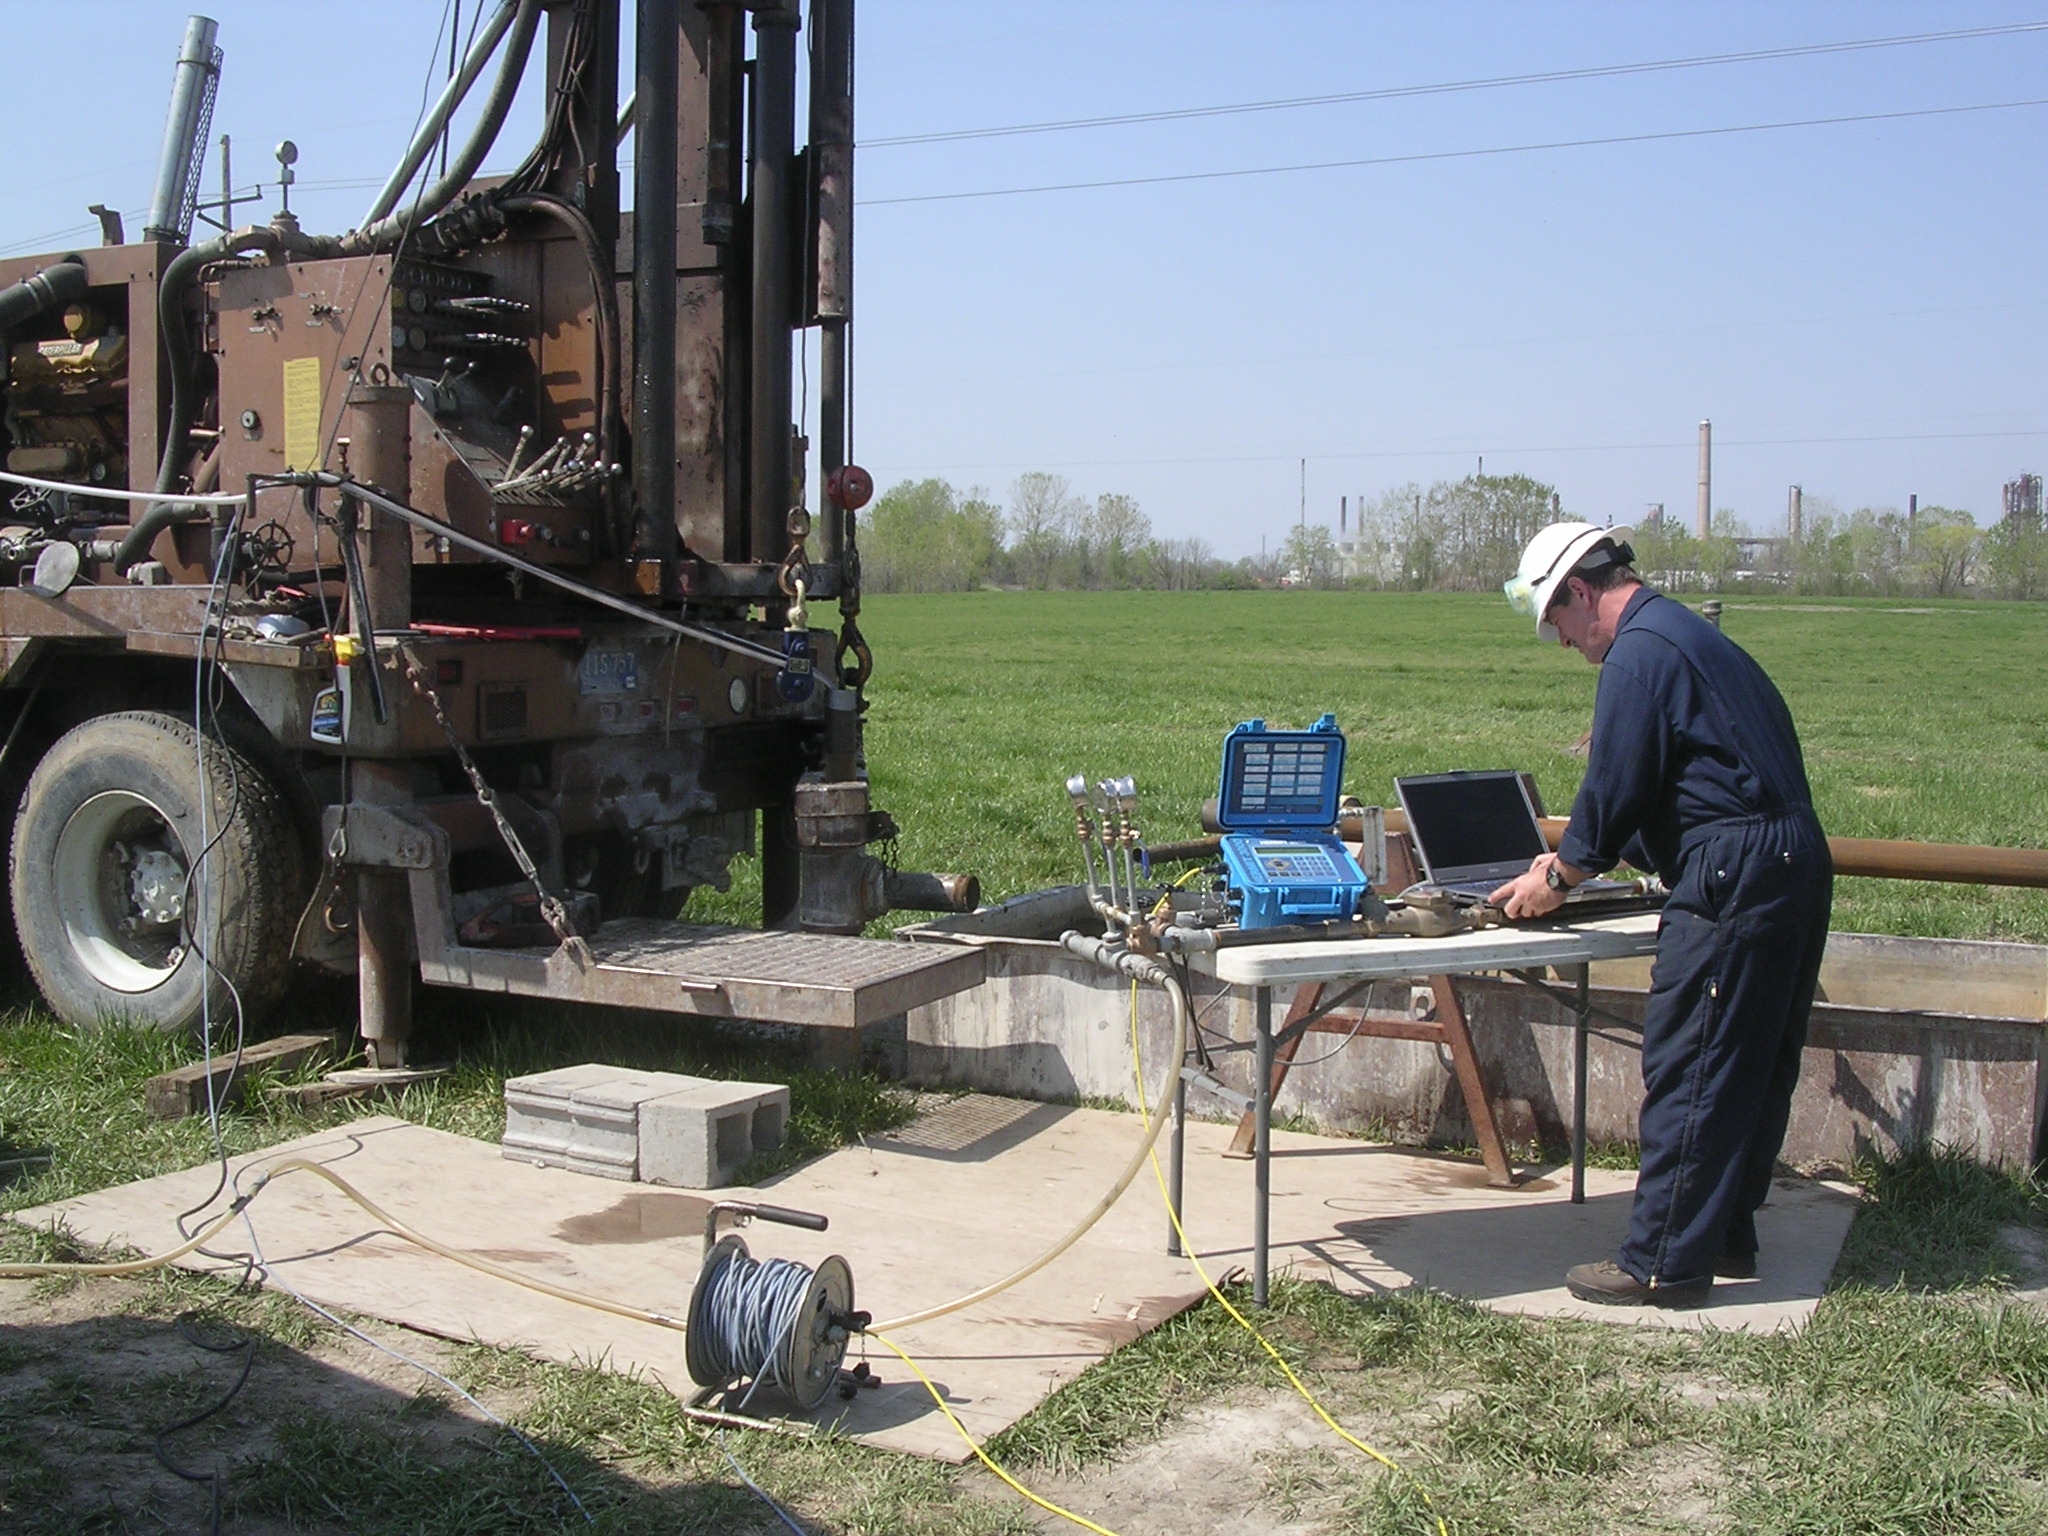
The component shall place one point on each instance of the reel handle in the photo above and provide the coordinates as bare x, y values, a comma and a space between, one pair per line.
788, 1217
740, 1212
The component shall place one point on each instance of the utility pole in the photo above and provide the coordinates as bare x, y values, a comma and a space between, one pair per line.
1304, 493
1706, 507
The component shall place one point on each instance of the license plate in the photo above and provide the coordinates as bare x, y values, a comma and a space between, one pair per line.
608, 669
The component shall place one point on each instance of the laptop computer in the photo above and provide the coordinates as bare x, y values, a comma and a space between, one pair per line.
1476, 830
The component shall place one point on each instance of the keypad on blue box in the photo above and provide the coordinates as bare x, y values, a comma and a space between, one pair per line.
1296, 863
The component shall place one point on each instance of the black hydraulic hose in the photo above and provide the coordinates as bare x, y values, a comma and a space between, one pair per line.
58, 283
175, 338
389, 230
604, 291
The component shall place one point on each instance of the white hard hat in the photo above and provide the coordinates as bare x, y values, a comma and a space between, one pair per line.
1552, 555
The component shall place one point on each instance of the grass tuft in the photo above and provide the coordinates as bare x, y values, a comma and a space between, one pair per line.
1931, 1218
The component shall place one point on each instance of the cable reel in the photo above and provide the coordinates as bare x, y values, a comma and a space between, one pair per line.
774, 1324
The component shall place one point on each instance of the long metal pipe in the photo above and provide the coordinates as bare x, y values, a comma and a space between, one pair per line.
657, 81
774, 288
832, 196
436, 122
197, 69
1873, 858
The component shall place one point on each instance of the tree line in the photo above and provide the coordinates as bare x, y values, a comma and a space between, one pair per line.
927, 536
1465, 535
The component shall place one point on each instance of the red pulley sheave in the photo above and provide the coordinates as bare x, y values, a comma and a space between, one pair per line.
849, 487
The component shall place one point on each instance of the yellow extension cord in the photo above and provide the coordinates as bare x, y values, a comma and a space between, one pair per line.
1188, 1249
1243, 1322
663, 1320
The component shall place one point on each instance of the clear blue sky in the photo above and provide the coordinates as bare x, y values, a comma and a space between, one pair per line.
1859, 307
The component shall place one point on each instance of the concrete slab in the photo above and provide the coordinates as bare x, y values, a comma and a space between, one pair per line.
956, 1199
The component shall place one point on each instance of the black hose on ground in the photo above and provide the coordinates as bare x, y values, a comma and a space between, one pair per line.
59, 283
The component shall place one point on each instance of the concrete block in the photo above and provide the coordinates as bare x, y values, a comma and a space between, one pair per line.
699, 1137
585, 1118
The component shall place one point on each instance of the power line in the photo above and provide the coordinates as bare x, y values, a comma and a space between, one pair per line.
1495, 82
1467, 452
1455, 154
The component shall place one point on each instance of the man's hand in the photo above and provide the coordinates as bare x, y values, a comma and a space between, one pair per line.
1529, 894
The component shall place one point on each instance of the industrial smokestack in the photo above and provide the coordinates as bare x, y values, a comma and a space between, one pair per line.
1706, 508
177, 173
1795, 514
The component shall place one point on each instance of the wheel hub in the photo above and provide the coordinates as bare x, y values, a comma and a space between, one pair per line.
156, 884
120, 890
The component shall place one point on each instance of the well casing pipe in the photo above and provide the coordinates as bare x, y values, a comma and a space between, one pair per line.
378, 424
1873, 858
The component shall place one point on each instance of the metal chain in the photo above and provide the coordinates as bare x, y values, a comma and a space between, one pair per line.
551, 908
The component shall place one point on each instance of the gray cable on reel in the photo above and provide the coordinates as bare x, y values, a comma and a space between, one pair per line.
773, 1323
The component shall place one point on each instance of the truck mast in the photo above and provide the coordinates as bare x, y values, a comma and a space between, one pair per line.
439, 599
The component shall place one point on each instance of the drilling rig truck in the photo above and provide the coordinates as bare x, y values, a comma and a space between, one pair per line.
440, 600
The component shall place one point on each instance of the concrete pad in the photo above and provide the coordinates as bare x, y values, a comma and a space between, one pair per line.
958, 1198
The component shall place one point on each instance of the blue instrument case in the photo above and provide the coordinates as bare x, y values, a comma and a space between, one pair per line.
1282, 861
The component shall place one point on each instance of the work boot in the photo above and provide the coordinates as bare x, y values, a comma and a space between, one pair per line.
1612, 1286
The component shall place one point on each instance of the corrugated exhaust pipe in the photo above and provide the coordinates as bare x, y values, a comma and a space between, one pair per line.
177, 173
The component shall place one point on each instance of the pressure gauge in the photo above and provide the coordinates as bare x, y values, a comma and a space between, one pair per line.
736, 695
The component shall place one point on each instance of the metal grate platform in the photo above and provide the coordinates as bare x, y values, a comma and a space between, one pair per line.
740, 973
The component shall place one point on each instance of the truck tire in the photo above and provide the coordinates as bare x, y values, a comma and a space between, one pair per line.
104, 903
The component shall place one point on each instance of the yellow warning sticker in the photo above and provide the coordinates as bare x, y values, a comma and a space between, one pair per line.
302, 413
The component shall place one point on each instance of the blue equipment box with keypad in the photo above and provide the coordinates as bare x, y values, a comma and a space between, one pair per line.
1282, 861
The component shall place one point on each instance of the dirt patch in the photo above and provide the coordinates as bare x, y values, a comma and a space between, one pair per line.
1680, 1489
91, 1374
1210, 1475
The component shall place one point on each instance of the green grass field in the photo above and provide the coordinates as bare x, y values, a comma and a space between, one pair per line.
1923, 720
1916, 1401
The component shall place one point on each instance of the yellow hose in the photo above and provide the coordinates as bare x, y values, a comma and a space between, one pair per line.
1153, 1125
126, 1266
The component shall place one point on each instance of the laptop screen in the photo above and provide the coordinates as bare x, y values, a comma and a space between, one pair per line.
1469, 823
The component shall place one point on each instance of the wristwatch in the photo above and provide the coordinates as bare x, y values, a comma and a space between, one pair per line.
1553, 876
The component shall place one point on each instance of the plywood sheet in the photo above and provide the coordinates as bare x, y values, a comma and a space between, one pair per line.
953, 1201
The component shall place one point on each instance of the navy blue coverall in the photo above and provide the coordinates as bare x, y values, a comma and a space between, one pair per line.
1695, 773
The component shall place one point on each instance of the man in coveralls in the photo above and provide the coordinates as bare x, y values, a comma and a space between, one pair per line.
1695, 773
